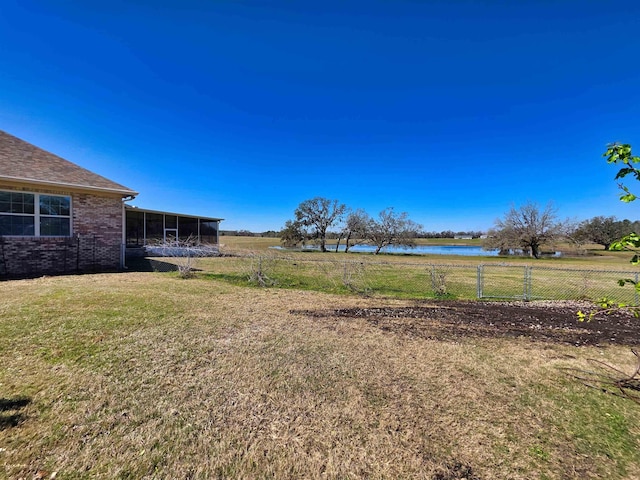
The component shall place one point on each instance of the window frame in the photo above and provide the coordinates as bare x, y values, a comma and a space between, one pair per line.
38, 216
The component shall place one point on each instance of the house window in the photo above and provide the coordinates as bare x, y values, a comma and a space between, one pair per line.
34, 214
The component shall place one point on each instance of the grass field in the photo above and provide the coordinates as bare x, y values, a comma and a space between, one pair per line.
249, 243
146, 375
592, 276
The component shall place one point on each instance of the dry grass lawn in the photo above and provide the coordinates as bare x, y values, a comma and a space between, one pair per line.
144, 375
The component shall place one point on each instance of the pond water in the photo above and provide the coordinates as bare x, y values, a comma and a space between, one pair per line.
465, 250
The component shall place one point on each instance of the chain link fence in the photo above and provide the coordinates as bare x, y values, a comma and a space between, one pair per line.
548, 283
417, 280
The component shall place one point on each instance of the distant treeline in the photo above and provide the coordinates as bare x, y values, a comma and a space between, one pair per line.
335, 235
451, 234
247, 233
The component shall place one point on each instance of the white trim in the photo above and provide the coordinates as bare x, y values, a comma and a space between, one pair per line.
126, 192
123, 238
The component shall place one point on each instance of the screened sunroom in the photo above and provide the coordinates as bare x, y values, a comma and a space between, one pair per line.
151, 227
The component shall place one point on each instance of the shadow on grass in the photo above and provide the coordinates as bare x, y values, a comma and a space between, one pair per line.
13, 417
149, 265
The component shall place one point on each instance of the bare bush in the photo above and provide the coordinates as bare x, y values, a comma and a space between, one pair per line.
439, 281
185, 253
258, 269
351, 275
609, 379
354, 276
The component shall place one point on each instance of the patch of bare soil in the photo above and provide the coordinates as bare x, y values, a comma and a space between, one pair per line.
554, 322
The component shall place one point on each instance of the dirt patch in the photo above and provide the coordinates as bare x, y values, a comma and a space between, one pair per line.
554, 322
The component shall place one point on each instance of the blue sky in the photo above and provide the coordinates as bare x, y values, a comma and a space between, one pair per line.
450, 110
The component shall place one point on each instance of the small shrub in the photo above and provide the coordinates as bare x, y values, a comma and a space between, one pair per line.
439, 282
258, 268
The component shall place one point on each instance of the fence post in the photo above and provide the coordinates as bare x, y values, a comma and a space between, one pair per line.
434, 286
479, 282
636, 290
526, 294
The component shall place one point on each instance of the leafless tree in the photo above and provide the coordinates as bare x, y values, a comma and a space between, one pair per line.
392, 229
356, 228
526, 228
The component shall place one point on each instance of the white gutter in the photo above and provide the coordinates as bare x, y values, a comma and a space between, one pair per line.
129, 193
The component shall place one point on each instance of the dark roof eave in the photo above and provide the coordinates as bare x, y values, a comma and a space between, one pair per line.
124, 191
147, 210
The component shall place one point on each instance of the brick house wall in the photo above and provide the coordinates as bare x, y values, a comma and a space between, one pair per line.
95, 244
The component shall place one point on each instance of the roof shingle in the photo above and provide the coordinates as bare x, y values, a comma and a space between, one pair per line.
23, 162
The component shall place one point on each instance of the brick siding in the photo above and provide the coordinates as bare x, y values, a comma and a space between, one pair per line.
95, 244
